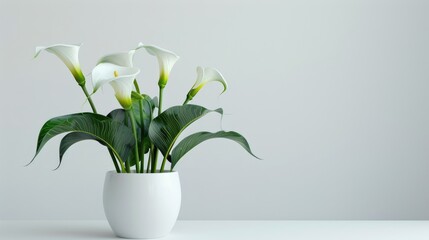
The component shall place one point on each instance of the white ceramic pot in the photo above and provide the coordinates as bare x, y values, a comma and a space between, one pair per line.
144, 205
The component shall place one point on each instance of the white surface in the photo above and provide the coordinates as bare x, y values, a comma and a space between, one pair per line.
147, 207
332, 94
225, 230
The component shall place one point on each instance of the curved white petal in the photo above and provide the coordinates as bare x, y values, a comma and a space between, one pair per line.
123, 86
140, 45
166, 60
200, 75
205, 76
106, 72
120, 78
124, 59
69, 54
213, 75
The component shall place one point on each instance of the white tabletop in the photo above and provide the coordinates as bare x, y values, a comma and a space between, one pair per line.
224, 230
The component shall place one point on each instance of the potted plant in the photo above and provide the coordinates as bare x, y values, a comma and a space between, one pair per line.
141, 197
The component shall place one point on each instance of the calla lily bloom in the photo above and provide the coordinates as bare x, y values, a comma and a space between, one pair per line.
120, 78
69, 55
205, 76
166, 60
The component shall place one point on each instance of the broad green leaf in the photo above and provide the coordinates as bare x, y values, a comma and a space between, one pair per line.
115, 135
72, 138
121, 116
193, 140
148, 106
166, 128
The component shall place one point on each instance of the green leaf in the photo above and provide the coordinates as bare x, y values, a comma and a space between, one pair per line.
72, 138
193, 140
166, 128
155, 101
121, 116
115, 135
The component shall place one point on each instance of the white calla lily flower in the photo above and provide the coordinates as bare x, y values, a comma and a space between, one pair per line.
69, 55
119, 77
204, 76
166, 60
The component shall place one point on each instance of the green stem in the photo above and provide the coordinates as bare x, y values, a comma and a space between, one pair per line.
159, 112
155, 156
163, 163
114, 161
127, 166
161, 92
120, 162
136, 148
154, 160
136, 85
88, 96
150, 159
127, 161
188, 98
142, 137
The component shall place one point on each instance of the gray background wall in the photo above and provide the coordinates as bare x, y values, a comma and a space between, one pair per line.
333, 95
